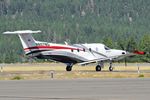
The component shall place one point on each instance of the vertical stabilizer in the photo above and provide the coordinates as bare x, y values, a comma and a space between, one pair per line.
26, 38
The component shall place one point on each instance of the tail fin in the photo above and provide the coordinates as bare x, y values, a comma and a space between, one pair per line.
26, 38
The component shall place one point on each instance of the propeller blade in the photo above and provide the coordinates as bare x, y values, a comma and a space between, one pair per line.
125, 60
128, 47
139, 52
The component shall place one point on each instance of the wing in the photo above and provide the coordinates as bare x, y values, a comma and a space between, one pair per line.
94, 61
90, 51
114, 58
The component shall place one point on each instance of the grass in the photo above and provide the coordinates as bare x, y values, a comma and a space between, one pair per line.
141, 75
17, 78
43, 70
73, 75
62, 68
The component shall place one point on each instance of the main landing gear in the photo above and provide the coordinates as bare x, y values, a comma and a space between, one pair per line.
69, 67
99, 66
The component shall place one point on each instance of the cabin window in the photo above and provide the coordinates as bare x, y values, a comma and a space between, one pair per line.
106, 48
78, 50
83, 49
96, 48
29, 40
71, 50
90, 49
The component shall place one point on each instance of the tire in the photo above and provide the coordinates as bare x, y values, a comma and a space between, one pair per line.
68, 68
98, 68
110, 69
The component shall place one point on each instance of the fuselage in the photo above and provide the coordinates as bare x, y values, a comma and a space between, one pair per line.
76, 53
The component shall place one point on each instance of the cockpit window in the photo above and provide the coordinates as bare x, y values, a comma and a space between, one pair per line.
106, 48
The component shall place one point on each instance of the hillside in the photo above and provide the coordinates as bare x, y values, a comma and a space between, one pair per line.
116, 23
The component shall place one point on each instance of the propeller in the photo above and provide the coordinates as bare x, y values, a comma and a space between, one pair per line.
128, 47
123, 48
139, 52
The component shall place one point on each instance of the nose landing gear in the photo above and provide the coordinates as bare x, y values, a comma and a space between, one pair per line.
110, 68
101, 65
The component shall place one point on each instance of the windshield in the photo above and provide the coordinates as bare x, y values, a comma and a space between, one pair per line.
106, 48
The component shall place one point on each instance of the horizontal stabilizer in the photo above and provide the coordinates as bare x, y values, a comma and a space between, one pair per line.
22, 32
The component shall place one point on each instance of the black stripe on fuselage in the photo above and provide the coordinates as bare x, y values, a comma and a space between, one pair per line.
36, 51
60, 58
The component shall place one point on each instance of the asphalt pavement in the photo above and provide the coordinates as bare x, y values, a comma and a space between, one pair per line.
76, 89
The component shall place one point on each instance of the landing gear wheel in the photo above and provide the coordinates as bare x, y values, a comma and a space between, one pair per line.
98, 68
110, 69
68, 68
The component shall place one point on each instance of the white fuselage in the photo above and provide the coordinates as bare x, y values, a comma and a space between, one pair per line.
77, 52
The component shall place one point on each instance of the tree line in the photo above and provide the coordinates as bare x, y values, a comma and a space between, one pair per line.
120, 24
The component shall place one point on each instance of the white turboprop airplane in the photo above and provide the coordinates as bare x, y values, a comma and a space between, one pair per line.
70, 54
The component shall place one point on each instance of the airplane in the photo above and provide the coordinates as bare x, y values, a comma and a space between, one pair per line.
82, 54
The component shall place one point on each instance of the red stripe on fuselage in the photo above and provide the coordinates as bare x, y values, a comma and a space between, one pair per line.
52, 47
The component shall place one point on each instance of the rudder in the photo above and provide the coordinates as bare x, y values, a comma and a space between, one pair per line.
26, 38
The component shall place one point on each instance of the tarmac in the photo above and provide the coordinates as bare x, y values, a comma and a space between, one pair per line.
76, 89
